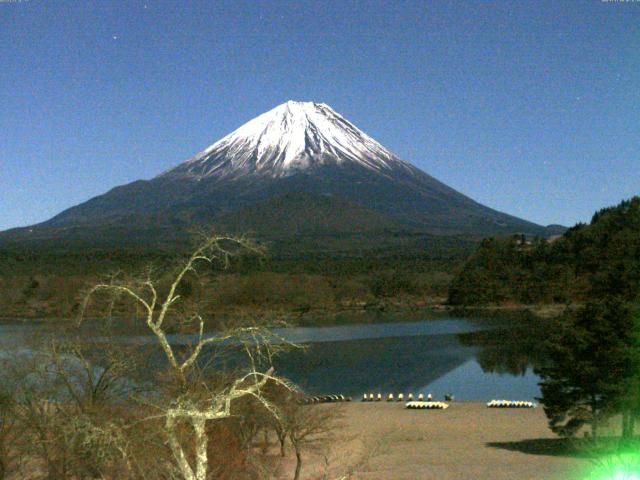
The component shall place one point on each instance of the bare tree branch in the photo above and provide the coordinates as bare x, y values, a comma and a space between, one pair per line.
194, 404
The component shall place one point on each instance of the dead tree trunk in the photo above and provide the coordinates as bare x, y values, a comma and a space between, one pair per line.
296, 475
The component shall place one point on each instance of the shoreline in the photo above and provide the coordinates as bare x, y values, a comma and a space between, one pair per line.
375, 313
467, 441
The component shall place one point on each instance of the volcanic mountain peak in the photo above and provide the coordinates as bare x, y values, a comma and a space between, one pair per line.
293, 136
300, 167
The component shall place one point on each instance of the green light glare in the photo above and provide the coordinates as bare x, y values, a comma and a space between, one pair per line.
622, 466
625, 476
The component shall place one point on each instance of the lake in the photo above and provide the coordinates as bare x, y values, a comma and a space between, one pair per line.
471, 359
434, 356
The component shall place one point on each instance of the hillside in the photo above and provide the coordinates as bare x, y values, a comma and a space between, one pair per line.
587, 260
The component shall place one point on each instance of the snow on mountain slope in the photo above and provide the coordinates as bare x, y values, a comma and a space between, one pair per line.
293, 136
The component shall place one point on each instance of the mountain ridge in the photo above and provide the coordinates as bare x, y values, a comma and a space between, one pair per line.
296, 147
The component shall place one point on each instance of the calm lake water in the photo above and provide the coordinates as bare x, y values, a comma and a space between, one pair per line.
435, 356
473, 360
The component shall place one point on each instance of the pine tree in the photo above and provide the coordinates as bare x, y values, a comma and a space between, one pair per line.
592, 368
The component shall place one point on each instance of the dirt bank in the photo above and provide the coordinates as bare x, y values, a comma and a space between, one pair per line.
465, 442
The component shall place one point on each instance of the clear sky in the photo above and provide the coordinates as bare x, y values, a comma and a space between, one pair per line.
530, 107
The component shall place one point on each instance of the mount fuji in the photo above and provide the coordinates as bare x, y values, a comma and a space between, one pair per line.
298, 169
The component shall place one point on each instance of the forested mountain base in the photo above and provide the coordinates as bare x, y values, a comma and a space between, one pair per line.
294, 277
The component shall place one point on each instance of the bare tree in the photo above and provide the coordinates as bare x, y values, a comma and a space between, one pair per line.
194, 403
313, 429
91, 380
308, 427
37, 417
349, 463
60, 407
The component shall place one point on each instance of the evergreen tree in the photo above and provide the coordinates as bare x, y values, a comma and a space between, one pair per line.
592, 367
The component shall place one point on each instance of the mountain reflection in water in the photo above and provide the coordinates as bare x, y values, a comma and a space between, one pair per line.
477, 362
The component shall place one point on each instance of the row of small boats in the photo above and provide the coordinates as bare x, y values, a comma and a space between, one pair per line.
491, 404
400, 397
510, 404
427, 405
421, 402
323, 399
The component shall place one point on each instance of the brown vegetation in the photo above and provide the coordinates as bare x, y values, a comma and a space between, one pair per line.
293, 295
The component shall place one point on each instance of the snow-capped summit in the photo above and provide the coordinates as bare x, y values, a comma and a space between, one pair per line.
291, 137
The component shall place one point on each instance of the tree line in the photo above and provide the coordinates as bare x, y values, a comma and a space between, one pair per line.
587, 260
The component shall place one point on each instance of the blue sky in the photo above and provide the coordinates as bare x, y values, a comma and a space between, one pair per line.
532, 108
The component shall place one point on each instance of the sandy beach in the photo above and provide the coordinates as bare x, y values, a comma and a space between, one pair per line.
465, 442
